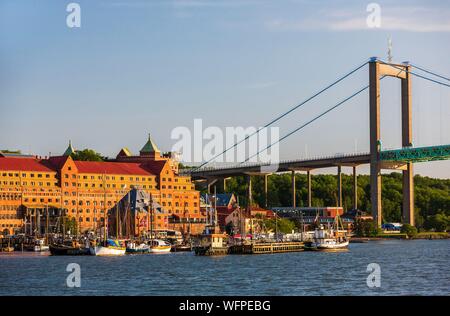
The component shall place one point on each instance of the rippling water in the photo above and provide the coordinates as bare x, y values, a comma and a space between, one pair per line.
418, 267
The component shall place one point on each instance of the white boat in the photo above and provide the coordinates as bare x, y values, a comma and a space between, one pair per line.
329, 239
41, 246
159, 246
112, 248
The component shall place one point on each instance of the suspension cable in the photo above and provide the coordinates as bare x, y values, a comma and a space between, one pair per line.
430, 72
415, 74
284, 114
311, 121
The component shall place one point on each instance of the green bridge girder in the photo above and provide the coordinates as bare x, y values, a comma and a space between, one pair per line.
417, 154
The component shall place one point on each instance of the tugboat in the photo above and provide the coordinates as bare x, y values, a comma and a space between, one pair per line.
212, 242
329, 239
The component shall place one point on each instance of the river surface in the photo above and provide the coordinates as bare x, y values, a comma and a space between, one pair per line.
417, 267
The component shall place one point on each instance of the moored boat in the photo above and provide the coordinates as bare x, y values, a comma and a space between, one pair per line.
40, 246
159, 246
134, 248
70, 248
110, 248
329, 239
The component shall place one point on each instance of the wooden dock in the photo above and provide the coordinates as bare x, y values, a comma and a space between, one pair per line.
265, 248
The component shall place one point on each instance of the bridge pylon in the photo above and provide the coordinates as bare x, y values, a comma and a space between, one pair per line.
378, 70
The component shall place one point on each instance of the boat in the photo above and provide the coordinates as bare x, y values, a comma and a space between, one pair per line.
7, 249
181, 247
40, 246
134, 248
69, 248
211, 244
329, 239
159, 246
109, 248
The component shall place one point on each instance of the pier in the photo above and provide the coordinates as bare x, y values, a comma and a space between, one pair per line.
266, 248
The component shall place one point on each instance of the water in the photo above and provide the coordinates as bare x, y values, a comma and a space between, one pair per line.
418, 267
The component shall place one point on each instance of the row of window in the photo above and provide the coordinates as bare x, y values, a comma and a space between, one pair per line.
24, 175
121, 178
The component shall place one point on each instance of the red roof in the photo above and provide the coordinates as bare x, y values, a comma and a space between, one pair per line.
23, 164
155, 167
128, 168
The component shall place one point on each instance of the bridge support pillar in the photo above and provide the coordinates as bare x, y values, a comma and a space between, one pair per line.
293, 189
339, 186
308, 174
374, 110
266, 197
210, 183
224, 185
408, 180
355, 188
249, 194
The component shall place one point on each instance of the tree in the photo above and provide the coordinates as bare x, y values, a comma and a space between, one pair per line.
409, 230
7, 151
284, 225
87, 155
366, 228
438, 222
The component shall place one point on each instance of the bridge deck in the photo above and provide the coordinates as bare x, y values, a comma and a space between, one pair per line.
413, 154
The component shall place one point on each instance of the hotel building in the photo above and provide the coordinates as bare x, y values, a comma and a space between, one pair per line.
35, 191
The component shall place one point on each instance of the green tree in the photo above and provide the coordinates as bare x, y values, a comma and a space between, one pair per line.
409, 230
87, 155
438, 222
366, 228
284, 225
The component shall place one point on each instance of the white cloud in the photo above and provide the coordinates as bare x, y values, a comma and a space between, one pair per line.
412, 19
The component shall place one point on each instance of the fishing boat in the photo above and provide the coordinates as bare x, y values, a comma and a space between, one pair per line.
134, 248
159, 246
334, 238
109, 248
69, 248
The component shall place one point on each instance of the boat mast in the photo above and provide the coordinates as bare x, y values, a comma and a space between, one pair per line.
46, 226
117, 220
151, 218
105, 216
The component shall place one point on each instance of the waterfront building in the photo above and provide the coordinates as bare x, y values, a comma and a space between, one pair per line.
35, 191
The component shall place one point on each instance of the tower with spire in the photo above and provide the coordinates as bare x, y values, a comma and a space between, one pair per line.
69, 149
150, 150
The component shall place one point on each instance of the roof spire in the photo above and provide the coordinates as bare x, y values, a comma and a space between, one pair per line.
149, 147
69, 149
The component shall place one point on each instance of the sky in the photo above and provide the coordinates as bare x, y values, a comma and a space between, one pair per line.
137, 67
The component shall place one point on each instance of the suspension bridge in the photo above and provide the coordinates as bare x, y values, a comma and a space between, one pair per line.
378, 159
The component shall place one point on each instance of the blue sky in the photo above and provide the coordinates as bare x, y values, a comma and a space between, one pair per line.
138, 67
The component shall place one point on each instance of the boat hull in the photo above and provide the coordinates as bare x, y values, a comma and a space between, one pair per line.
136, 251
107, 251
160, 249
41, 248
330, 246
68, 251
